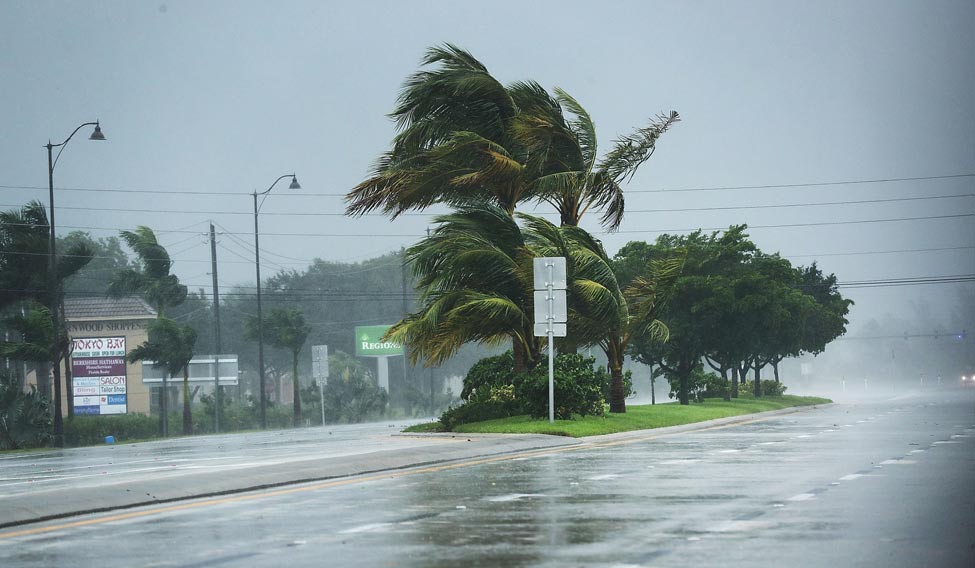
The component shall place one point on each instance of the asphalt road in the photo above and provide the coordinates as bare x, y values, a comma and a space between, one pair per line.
871, 483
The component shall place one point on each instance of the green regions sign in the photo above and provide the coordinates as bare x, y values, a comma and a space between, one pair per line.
368, 342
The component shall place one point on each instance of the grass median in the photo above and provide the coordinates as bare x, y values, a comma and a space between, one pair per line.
643, 417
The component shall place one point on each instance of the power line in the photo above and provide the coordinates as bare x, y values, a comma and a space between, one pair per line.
549, 213
632, 231
675, 190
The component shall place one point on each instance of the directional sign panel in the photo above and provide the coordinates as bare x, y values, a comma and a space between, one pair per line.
319, 362
550, 269
558, 305
558, 330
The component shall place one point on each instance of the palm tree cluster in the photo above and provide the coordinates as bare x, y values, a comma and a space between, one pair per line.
483, 148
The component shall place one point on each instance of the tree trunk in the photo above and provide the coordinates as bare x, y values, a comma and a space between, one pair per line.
295, 391
69, 387
58, 420
734, 381
724, 375
520, 356
187, 414
775, 368
614, 360
684, 372
164, 406
758, 379
617, 401
653, 388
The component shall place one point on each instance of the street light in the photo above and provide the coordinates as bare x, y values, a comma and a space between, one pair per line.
53, 287
260, 317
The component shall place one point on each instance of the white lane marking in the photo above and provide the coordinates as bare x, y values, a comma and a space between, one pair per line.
851, 477
367, 528
728, 451
803, 436
603, 477
938, 443
769, 443
678, 462
802, 497
739, 526
916, 451
898, 462
513, 497
960, 436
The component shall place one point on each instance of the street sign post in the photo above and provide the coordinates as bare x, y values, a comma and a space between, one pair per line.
319, 370
551, 312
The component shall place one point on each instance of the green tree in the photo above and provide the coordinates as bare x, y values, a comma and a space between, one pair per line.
170, 346
152, 278
285, 329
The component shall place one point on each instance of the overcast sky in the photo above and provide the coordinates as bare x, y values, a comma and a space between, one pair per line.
220, 98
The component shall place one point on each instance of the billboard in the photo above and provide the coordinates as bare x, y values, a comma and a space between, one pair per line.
201, 370
99, 375
368, 344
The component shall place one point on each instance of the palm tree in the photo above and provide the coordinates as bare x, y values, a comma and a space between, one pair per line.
285, 330
561, 142
152, 278
475, 281
600, 313
170, 346
36, 329
25, 276
466, 138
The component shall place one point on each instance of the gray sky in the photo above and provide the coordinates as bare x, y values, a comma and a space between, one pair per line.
224, 97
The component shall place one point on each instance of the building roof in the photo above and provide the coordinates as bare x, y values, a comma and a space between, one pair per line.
96, 307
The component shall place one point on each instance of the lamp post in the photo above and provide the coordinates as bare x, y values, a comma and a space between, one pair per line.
260, 317
54, 282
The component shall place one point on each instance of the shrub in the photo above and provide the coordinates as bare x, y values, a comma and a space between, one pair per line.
479, 411
91, 430
578, 388
713, 385
772, 388
25, 417
488, 373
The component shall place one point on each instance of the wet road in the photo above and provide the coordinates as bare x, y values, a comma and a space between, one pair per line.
871, 483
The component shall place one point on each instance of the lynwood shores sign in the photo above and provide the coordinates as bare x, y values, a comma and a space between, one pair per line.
368, 343
99, 375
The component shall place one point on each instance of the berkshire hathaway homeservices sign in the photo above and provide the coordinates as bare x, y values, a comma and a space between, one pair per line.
98, 375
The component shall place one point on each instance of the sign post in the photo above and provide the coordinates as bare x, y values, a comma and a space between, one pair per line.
99, 371
552, 308
319, 369
368, 344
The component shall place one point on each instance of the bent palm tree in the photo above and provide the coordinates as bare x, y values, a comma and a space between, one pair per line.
25, 276
475, 282
466, 138
285, 330
170, 346
152, 279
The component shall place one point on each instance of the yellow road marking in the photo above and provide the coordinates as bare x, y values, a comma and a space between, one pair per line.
340, 482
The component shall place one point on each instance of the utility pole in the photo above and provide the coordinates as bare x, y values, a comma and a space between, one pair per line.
217, 398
